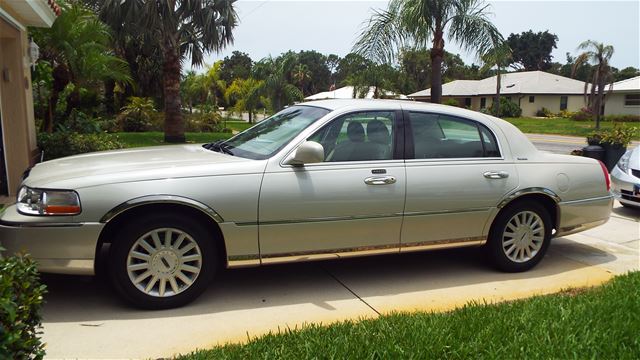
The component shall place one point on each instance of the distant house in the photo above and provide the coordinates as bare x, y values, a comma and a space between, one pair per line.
18, 147
347, 93
624, 98
532, 90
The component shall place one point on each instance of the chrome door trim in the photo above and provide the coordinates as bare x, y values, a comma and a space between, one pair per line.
161, 199
442, 212
320, 219
532, 190
571, 202
443, 244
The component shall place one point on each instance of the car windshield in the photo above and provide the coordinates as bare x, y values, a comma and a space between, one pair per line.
272, 134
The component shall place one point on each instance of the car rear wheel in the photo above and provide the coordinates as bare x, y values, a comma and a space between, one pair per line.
520, 236
161, 262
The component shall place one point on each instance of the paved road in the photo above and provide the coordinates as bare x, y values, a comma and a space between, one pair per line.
83, 319
561, 144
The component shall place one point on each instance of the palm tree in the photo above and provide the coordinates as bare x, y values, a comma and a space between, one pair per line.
301, 74
378, 77
179, 28
499, 56
215, 85
77, 48
415, 23
276, 86
598, 54
242, 93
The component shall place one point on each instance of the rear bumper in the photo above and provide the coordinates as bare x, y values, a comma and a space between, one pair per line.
63, 248
580, 215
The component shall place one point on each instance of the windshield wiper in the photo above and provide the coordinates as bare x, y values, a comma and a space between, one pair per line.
219, 146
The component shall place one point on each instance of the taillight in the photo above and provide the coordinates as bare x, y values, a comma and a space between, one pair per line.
606, 175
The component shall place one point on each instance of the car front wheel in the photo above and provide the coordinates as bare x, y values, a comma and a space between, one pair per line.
520, 236
161, 262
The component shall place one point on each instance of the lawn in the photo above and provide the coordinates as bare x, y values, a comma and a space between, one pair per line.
599, 323
154, 138
562, 126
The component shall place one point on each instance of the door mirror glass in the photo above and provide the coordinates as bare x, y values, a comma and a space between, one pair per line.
309, 152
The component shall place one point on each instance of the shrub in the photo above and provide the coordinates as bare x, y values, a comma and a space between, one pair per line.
82, 123
584, 114
623, 118
544, 112
202, 122
566, 114
20, 301
507, 108
137, 115
452, 102
619, 135
63, 143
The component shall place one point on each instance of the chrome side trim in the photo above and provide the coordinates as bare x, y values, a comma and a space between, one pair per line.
578, 228
441, 212
239, 261
161, 199
41, 225
572, 202
328, 254
532, 190
319, 219
443, 244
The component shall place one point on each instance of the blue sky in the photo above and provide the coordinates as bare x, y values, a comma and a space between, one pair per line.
274, 26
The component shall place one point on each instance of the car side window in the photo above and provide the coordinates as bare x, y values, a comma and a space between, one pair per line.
358, 136
437, 136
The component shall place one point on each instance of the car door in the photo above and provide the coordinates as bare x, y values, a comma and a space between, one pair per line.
349, 204
456, 175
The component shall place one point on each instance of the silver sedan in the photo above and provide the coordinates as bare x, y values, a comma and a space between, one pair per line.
320, 180
626, 179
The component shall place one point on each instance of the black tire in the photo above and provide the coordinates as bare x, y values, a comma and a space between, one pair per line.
137, 228
498, 253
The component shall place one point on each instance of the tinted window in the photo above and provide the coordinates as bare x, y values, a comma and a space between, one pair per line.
441, 136
358, 137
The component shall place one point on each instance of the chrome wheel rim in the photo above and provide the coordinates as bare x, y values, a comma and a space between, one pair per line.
523, 236
164, 262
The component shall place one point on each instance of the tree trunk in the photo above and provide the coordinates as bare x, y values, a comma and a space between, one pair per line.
598, 103
173, 122
109, 96
497, 98
61, 79
437, 55
250, 117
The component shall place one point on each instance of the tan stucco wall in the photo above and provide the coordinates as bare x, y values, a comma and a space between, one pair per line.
615, 105
16, 103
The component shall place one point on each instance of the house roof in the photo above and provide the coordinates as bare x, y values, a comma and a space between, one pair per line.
38, 13
632, 84
347, 93
526, 82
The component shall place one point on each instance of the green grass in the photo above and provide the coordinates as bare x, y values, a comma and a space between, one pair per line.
154, 138
600, 323
562, 126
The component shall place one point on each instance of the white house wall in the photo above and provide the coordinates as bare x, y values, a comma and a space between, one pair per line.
615, 106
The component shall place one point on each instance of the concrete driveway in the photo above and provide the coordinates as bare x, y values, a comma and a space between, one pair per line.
83, 318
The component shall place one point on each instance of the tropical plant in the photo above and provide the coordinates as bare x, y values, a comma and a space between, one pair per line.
413, 23
300, 75
532, 51
137, 114
179, 28
500, 56
77, 47
375, 78
215, 85
599, 55
242, 93
276, 86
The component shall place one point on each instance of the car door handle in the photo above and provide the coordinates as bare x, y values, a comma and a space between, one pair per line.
496, 174
380, 180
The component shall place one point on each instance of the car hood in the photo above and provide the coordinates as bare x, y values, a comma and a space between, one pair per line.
172, 161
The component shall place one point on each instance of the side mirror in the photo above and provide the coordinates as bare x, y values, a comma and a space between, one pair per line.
309, 152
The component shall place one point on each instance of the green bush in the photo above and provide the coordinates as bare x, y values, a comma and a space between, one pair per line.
622, 118
544, 112
451, 102
202, 122
63, 143
20, 301
137, 115
82, 123
507, 109
585, 114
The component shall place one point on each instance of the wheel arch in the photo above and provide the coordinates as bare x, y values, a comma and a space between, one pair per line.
543, 196
129, 210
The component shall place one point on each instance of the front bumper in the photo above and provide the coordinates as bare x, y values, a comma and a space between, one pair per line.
625, 187
62, 248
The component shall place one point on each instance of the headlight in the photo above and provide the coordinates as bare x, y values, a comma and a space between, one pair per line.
48, 202
623, 163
